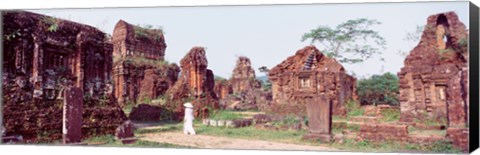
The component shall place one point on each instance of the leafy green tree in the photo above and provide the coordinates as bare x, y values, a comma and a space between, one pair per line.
266, 85
378, 89
350, 42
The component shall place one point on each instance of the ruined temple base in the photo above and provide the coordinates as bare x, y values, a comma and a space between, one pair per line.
326, 138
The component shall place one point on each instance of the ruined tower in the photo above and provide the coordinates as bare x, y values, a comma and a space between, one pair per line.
434, 80
140, 72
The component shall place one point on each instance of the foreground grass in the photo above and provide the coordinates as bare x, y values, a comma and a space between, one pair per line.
288, 136
226, 115
294, 137
391, 146
109, 140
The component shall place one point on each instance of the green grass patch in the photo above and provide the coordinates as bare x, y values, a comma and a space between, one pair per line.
390, 115
109, 140
127, 109
285, 136
168, 126
225, 115
353, 109
392, 146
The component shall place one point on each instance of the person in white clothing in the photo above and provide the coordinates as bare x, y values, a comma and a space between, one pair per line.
188, 119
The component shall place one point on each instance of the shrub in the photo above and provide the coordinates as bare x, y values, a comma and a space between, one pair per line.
378, 89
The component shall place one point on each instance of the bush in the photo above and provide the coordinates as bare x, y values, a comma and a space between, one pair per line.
378, 89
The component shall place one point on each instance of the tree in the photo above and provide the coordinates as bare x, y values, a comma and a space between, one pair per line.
266, 85
413, 37
350, 42
378, 89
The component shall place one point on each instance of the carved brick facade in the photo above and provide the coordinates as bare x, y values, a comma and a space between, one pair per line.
310, 73
434, 81
44, 55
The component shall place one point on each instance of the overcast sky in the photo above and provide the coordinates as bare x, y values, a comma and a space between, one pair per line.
267, 34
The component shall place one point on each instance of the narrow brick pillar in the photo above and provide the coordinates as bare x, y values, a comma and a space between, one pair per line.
72, 115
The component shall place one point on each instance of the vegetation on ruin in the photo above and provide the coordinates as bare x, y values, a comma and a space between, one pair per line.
139, 61
12, 34
149, 31
390, 115
378, 89
51, 23
352, 41
463, 42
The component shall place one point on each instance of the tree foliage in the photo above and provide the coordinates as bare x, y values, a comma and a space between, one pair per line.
350, 42
266, 85
378, 89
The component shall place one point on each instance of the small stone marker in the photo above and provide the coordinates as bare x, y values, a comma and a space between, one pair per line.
319, 112
125, 133
72, 115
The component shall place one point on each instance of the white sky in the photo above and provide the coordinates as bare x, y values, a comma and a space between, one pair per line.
267, 34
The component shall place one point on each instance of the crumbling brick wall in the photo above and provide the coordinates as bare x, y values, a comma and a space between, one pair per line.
136, 82
195, 84
459, 137
310, 73
434, 80
222, 88
382, 132
43, 55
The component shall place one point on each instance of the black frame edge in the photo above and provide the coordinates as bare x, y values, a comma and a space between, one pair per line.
474, 78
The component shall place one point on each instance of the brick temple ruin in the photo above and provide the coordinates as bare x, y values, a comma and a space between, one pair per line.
140, 72
310, 73
434, 80
242, 91
43, 56
243, 77
195, 84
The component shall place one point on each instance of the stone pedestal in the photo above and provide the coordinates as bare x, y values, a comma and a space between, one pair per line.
319, 112
72, 115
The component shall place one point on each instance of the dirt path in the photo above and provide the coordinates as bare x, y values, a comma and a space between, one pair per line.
213, 142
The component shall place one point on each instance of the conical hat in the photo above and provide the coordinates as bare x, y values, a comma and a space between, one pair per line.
188, 105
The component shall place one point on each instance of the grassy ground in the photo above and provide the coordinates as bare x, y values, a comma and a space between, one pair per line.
285, 136
390, 146
256, 134
109, 140
226, 115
